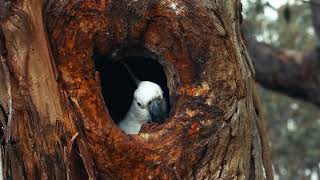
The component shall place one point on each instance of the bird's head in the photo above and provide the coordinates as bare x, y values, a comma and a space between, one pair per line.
149, 101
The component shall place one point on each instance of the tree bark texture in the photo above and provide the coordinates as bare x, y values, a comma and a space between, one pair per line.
56, 123
291, 72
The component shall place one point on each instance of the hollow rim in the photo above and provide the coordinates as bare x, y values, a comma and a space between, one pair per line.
172, 75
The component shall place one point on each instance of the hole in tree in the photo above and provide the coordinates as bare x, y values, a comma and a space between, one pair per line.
118, 86
78, 170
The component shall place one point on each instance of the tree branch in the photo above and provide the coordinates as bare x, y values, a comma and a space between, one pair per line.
294, 73
291, 72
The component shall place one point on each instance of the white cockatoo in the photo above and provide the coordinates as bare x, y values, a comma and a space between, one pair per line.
148, 105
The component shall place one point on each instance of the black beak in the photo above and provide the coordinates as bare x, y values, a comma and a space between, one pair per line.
158, 110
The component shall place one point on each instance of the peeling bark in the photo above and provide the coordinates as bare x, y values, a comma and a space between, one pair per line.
61, 128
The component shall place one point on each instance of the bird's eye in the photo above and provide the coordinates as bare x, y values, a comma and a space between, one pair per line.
139, 104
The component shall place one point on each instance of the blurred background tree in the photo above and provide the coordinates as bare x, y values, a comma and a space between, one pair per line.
272, 24
294, 125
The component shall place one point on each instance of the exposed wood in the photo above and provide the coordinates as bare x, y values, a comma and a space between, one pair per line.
61, 126
31, 140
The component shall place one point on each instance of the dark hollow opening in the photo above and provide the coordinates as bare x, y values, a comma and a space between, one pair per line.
117, 85
78, 170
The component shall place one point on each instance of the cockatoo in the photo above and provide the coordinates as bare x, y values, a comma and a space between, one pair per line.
148, 105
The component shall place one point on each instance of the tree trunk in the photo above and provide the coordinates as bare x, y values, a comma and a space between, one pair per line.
57, 125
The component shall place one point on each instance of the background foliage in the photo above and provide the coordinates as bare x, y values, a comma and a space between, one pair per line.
293, 126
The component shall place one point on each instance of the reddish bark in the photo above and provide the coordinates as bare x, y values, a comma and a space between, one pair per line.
212, 131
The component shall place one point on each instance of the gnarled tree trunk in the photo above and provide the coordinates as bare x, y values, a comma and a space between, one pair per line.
56, 123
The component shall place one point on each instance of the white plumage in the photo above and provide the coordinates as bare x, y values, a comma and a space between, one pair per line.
148, 105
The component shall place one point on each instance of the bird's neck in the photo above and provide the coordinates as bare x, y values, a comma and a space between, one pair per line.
134, 119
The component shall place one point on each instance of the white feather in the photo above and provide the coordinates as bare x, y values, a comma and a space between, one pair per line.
137, 116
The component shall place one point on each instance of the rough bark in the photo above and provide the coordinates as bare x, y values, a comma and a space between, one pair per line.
58, 126
294, 73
